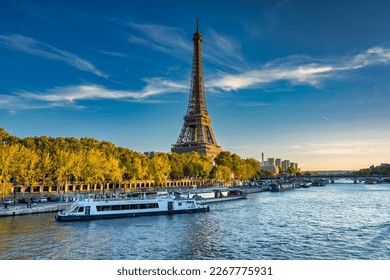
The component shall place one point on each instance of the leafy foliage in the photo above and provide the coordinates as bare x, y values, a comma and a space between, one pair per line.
374, 170
45, 160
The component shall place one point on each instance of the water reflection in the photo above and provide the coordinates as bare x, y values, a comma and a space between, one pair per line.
335, 222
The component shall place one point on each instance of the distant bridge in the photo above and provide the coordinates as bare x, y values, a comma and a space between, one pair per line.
352, 177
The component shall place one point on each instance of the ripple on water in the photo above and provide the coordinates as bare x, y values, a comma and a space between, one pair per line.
335, 222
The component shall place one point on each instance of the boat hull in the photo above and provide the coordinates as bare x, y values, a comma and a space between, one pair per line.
72, 218
221, 199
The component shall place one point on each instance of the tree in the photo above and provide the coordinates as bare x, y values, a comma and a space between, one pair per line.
67, 165
8, 155
26, 165
93, 167
159, 168
177, 162
291, 171
223, 173
135, 166
45, 168
112, 170
225, 158
253, 167
89, 143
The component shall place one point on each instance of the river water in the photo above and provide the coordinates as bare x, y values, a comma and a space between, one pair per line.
339, 222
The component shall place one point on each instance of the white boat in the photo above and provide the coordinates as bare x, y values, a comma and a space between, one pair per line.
91, 207
214, 194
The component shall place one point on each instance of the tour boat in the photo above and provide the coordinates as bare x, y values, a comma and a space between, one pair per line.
214, 194
92, 207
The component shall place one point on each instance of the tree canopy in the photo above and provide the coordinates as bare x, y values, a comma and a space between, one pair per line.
42, 160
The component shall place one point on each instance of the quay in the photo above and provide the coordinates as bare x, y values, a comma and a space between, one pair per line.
19, 210
64, 198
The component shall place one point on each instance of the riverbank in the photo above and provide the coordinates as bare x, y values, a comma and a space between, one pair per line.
24, 210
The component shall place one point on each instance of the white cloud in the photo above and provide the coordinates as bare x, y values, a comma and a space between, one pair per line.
375, 55
299, 70
348, 147
294, 69
161, 38
253, 104
34, 47
68, 96
221, 50
300, 74
114, 54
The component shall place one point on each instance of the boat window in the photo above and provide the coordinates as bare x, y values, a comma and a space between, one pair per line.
125, 207
179, 204
103, 208
81, 209
115, 207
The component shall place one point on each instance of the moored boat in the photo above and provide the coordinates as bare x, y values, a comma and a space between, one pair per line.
283, 186
91, 208
215, 194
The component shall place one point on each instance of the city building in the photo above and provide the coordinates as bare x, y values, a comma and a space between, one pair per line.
285, 164
270, 162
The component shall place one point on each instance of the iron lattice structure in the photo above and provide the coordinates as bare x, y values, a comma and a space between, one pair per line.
197, 134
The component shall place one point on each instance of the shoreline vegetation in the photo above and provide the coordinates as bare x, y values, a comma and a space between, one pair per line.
43, 160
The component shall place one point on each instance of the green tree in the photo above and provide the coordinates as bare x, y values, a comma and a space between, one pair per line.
225, 158
135, 166
26, 166
93, 167
8, 160
159, 168
223, 173
178, 163
45, 168
67, 165
112, 170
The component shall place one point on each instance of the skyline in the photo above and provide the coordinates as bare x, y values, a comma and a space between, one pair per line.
300, 80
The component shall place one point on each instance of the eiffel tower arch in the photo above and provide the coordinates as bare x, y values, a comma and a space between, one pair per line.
197, 134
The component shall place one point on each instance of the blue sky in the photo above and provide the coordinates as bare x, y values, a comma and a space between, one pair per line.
307, 81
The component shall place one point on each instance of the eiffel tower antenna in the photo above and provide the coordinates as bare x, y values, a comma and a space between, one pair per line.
196, 133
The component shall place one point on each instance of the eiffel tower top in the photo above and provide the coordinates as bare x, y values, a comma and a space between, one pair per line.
197, 104
197, 34
196, 133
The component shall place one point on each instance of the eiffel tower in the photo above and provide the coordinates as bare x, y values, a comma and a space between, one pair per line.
197, 134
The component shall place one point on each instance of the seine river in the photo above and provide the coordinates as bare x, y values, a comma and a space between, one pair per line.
339, 221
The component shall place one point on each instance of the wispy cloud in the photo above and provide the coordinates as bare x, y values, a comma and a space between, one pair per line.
300, 70
113, 54
37, 48
70, 95
253, 104
296, 70
348, 147
224, 51
161, 38
221, 49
